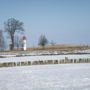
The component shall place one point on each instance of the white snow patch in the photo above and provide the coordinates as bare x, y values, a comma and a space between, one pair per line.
46, 57
47, 77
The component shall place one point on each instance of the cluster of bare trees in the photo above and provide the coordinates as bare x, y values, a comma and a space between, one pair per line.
11, 26
42, 41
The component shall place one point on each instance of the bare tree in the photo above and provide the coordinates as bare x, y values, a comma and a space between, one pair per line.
17, 42
11, 26
43, 41
2, 42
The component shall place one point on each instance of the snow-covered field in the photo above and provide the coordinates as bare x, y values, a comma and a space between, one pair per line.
44, 57
46, 77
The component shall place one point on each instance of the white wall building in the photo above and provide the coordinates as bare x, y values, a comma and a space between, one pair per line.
24, 43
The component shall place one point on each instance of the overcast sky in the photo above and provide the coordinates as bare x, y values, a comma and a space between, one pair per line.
62, 21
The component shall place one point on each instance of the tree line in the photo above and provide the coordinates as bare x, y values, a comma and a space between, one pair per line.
13, 26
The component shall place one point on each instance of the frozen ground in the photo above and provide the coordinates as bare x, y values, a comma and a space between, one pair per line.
46, 57
46, 77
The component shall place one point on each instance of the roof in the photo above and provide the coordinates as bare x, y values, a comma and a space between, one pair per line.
24, 38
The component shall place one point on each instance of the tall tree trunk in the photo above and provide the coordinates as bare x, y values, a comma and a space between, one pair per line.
12, 45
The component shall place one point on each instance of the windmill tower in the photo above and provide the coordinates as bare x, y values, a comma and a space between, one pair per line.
24, 43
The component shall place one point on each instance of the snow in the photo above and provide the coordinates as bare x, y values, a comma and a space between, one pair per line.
43, 57
46, 77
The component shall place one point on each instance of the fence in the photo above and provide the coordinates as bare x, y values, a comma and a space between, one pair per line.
44, 62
